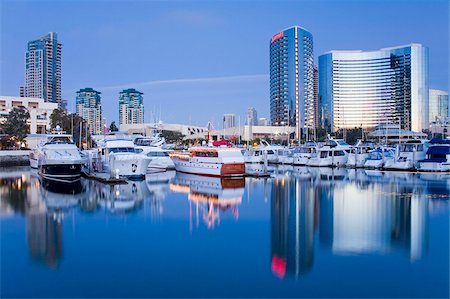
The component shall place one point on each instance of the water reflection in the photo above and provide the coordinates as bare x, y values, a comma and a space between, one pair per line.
353, 212
344, 212
209, 197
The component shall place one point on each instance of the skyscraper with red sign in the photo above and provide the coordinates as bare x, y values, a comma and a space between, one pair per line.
292, 81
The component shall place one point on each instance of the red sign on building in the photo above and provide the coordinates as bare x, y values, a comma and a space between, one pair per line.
277, 36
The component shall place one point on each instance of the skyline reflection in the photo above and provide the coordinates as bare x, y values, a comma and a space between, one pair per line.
345, 212
351, 212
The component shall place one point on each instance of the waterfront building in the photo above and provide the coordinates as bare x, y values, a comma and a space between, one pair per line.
252, 117
131, 107
369, 88
43, 69
291, 80
148, 129
40, 111
438, 104
89, 107
229, 120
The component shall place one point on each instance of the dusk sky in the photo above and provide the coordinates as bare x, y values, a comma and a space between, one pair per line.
195, 60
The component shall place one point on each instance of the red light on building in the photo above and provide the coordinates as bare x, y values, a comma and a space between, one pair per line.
277, 36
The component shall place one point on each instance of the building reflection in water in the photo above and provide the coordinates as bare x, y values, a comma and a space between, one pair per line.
209, 197
354, 214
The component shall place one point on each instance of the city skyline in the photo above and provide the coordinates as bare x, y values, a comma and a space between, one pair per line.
228, 63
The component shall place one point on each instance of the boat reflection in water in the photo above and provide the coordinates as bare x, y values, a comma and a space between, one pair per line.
353, 212
209, 196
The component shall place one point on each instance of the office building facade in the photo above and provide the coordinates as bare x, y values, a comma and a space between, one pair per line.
438, 104
252, 117
43, 69
229, 121
131, 107
369, 88
89, 107
291, 80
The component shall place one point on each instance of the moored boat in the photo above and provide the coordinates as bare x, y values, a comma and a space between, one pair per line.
437, 157
408, 155
57, 157
359, 154
210, 161
304, 152
333, 154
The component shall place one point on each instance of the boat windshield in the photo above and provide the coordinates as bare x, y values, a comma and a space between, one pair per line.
143, 142
375, 155
158, 154
59, 140
122, 150
408, 147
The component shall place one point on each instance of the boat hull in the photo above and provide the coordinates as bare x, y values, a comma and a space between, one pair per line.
61, 172
434, 166
210, 169
128, 165
328, 162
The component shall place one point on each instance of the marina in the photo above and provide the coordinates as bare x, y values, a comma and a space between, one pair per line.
290, 234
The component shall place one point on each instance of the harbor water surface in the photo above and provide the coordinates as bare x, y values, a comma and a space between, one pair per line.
303, 232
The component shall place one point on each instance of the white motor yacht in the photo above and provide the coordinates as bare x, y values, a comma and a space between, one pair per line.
57, 157
437, 156
359, 154
377, 158
304, 152
333, 153
286, 156
263, 151
407, 155
118, 157
160, 157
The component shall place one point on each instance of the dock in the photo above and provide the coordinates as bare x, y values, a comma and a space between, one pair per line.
103, 178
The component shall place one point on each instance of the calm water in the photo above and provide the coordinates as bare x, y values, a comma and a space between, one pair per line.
301, 233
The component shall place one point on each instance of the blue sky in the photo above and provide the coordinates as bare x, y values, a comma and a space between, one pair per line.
195, 60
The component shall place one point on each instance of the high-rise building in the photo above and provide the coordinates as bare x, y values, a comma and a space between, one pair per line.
229, 121
43, 68
252, 117
131, 107
315, 118
89, 107
369, 88
438, 104
291, 80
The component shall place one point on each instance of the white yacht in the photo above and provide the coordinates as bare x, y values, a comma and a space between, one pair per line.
57, 157
160, 157
304, 152
359, 154
286, 156
377, 158
333, 153
437, 157
407, 155
264, 151
118, 157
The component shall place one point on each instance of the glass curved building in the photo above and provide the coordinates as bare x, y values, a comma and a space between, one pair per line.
291, 80
369, 88
438, 103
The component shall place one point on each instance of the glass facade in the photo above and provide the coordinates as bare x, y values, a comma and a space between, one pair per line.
369, 88
291, 80
438, 104
43, 69
131, 107
89, 107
